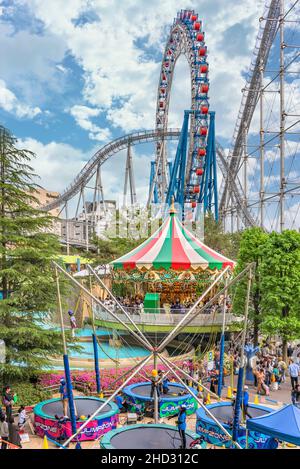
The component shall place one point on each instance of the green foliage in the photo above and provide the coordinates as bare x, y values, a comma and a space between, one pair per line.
274, 307
280, 284
214, 237
26, 275
111, 249
29, 394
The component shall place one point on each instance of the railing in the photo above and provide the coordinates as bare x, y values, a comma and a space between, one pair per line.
160, 317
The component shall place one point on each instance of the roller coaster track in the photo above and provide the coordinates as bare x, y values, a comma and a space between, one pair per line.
264, 41
103, 154
121, 143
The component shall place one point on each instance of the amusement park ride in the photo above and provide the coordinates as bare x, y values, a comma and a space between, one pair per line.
173, 256
192, 176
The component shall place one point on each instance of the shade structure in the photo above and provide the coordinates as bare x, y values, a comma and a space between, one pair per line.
283, 424
172, 246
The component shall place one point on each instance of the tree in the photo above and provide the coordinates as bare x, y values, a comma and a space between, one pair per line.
280, 286
26, 277
111, 249
251, 245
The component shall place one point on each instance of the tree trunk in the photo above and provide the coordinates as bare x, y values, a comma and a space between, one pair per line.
284, 350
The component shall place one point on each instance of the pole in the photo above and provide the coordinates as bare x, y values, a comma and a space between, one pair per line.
199, 402
142, 364
67, 229
96, 300
245, 167
118, 303
96, 360
66, 358
239, 392
282, 118
191, 378
262, 147
220, 381
155, 390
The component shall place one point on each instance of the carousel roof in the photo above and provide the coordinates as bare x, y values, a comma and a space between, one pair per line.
172, 246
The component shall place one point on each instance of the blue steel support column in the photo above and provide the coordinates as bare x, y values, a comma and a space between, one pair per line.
208, 186
176, 185
70, 392
96, 360
237, 407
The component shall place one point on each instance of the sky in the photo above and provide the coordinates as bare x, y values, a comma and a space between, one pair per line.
75, 74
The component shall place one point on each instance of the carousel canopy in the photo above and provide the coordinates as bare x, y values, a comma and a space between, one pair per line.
172, 246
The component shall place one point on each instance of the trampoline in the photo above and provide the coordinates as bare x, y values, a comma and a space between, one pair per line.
223, 411
46, 423
147, 436
137, 396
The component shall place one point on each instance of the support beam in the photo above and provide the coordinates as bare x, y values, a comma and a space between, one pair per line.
142, 364
200, 403
182, 323
282, 119
97, 301
118, 303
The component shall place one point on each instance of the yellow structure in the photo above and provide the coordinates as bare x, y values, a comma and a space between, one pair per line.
256, 399
45, 443
229, 392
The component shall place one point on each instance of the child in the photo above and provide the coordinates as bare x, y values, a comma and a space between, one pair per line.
22, 417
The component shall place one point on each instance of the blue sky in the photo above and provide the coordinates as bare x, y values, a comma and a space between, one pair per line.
75, 74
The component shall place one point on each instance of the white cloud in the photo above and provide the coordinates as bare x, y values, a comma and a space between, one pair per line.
10, 103
120, 54
83, 116
55, 163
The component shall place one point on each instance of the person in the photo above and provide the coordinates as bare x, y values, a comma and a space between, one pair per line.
295, 395
154, 384
22, 417
290, 351
245, 403
61, 427
160, 376
165, 385
13, 431
7, 401
121, 403
64, 396
72, 322
181, 422
4, 433
294, 373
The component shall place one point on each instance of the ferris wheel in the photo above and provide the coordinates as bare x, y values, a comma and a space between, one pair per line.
186, 37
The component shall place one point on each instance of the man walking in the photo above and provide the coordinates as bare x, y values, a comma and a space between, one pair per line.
294, 373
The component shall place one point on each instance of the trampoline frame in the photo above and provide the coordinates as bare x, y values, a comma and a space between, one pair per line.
105, 442
46, 424
168, 405
213, 434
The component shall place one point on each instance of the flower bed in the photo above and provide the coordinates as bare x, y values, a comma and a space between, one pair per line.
108, 377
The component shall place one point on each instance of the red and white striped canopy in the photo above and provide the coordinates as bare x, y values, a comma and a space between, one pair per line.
172, 246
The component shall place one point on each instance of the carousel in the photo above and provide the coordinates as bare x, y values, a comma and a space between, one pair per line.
169, 270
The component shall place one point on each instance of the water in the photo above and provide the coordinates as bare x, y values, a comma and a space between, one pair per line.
120, 352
